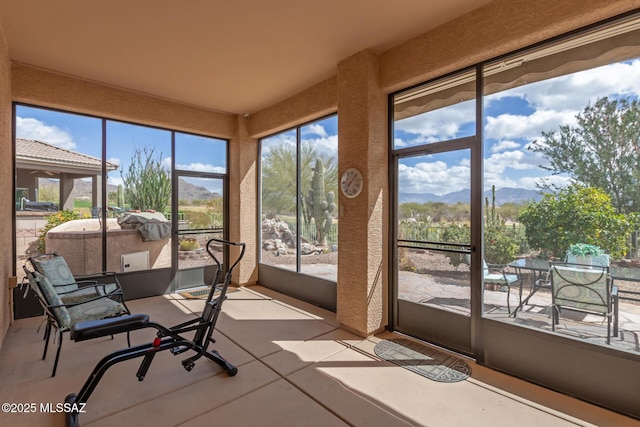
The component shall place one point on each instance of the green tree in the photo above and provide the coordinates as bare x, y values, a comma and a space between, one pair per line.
576, 214
602, 151
147, 183
279, 176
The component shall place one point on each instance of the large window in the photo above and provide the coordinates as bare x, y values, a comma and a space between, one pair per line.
59, 185
299, 213
561, 157
93, 183
560, 140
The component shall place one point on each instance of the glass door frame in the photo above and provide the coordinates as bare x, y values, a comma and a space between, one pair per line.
209, 271
462, 333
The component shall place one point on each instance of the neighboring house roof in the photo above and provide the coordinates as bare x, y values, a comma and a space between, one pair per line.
49, 156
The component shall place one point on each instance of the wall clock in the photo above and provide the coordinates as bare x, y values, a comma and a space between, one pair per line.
351, 182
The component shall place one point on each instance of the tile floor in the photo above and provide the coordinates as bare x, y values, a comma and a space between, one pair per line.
296, 368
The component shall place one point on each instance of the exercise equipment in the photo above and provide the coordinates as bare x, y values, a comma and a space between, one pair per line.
167, 338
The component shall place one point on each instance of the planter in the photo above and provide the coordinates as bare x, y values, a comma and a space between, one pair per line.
584, 260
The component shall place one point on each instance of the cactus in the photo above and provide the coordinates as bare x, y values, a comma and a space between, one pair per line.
318, 205
120, 197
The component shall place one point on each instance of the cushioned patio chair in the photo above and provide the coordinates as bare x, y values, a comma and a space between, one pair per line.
62, 316
585, 289
499, 274
75, 289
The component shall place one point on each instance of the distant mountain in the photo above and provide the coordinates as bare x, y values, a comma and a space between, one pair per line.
503, 195
187, 191
190, 192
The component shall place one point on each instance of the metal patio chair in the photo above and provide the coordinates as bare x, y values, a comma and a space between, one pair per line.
585, 289
62, 316
79, 288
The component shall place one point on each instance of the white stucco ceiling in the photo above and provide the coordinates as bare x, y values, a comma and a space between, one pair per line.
234, 56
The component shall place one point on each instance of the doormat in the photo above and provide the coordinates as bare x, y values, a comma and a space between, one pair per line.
423, 360
202, 293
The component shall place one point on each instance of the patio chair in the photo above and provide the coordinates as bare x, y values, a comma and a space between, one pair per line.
584, 289
62, 316
499, 274
75, 289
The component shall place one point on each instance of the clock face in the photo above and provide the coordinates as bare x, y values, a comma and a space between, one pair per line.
351, 182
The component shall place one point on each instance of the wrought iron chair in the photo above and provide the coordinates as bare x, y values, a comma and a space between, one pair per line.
62, 316
585, 289
75, 289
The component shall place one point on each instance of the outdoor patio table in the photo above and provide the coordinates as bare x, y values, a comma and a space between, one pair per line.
539, 267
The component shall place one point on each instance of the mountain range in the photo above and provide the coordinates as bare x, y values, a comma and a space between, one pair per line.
187, 191
503, 195
190, 192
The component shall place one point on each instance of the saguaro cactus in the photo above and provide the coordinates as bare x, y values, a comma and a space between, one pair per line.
320, 205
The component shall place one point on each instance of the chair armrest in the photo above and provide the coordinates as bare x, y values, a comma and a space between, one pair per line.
95, 275
97, 298
81, 285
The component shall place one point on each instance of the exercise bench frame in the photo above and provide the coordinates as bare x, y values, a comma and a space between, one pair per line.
167, 338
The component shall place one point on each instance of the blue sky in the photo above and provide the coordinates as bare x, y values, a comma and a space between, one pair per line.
322, 134
513, 119
84, 134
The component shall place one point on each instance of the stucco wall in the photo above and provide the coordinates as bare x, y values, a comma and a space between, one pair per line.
47, 89
6, 185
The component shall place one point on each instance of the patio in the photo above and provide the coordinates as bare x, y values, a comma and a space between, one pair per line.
296, 367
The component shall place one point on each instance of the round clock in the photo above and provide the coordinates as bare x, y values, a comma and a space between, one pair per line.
351, 182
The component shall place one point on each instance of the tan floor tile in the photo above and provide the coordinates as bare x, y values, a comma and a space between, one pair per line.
304, 353
183, 404
278, 404
265, 327
349, 382
311, 373
325, 315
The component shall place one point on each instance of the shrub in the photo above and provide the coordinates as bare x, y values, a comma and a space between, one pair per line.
500, 245
54, 221
576, 214
189, 244
456, 234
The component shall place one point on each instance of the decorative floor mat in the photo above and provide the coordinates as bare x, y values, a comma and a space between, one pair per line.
423, 360
201, 293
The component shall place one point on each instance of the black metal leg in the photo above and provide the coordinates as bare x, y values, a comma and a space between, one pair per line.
615, 314
47, 336
55, 363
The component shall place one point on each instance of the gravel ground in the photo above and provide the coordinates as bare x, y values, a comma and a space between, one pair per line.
270, 257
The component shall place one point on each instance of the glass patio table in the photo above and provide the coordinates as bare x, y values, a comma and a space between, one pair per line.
539, 267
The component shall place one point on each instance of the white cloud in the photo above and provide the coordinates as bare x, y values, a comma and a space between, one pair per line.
438, 125
504, 145
115, 161
314, 129
29, 128
325, 145
574, 91
433, 177
201, 167
527, 127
